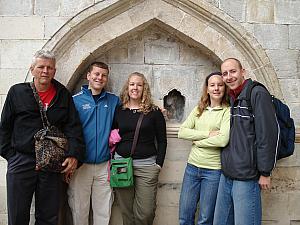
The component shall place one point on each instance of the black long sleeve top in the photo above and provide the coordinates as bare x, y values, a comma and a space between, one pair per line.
152, 138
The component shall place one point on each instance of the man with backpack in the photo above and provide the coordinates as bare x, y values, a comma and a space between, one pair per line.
250, 156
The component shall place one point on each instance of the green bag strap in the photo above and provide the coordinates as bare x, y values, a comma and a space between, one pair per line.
136, 133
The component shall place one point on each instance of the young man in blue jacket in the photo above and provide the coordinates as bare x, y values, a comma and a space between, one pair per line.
90, 182
250, 156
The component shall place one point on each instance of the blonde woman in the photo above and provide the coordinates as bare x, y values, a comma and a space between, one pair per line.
138, 203
208, 127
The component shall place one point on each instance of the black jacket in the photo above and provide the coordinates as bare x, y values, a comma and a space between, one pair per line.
21, 119
254, 137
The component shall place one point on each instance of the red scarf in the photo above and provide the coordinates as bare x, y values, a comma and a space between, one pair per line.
236, 92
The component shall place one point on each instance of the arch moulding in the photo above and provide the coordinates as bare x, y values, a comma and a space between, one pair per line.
95, 29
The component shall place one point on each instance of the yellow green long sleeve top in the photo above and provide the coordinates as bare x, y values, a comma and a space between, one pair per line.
205, 152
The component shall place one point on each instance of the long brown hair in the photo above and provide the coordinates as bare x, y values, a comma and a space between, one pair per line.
146, 104
205, 99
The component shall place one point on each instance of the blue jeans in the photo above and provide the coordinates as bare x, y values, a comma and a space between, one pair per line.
238, 202
198, 184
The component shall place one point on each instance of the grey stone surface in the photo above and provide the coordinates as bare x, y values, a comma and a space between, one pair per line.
53, 24
2, 100
275, 207
287, 12
291, 89
214, 2
3, 208
170, 63
294, 36
18, 53
9, 77
285, 62
249, 27
47, 8
234, 8
272, 36
295, 109
119, 54
120, 72
168, 194
166, 216
71, 7
3, 166
294, 160
260, 11
3, 219
172, 171
159, 52
178, 149
189, 55
17, 27
16, 7
136, 52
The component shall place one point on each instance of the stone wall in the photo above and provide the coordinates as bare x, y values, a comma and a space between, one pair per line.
28, 25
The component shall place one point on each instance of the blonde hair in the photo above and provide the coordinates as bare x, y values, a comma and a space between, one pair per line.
146, 104
205, 99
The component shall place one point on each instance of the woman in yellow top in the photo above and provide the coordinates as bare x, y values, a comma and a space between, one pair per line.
208, 128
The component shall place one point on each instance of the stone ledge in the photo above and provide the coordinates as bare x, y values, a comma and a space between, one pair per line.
172, 131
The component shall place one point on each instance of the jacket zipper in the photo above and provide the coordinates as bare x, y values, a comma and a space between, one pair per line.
96, 132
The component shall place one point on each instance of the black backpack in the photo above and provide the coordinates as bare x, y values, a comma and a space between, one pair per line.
286, 123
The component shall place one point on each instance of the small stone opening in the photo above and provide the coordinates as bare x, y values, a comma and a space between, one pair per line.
174, 103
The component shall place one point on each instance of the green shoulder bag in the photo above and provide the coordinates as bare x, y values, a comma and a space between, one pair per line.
121, 170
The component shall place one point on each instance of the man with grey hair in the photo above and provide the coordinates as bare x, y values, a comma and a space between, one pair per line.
20, 121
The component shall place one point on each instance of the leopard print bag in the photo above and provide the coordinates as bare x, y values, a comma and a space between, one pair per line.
50, 142
50, 147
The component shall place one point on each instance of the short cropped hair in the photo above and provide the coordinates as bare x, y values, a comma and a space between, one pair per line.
238, 62
43, 54
98, 64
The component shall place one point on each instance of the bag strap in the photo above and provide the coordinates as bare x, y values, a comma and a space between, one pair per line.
136, 133
45, 121
249, 92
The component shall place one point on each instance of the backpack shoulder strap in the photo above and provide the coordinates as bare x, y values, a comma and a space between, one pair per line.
249, 92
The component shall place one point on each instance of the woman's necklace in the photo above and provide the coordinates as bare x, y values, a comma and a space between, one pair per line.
133, 109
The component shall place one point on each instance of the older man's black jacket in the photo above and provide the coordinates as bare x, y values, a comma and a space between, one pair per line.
254, 136
21, 119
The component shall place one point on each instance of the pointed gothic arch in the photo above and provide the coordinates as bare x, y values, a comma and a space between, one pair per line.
97, 28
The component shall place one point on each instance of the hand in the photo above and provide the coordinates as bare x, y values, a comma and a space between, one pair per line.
264, 182
71, 164
164, 112
213, 133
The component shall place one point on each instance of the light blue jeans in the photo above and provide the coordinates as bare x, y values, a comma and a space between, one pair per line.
238, 202
198, 184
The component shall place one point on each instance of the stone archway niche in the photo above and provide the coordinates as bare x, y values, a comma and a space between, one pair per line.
83, 38
97, 30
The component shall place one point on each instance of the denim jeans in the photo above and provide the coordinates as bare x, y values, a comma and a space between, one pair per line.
198, 184
238, 202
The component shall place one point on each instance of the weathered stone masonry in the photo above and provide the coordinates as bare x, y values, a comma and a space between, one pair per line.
171, 42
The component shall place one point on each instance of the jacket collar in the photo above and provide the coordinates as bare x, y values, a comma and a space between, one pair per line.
86, 90
236, 92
